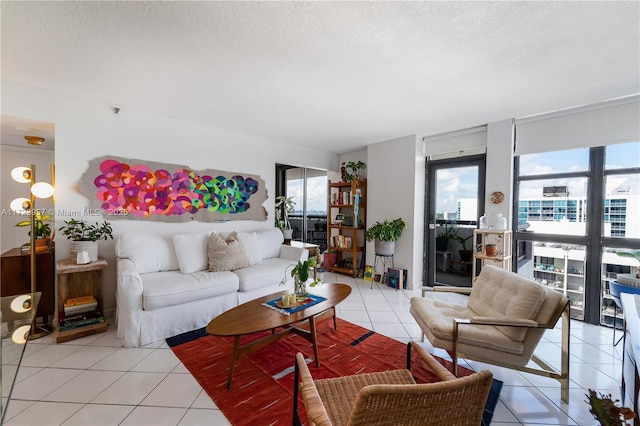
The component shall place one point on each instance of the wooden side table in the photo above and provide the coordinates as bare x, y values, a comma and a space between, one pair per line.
75, 281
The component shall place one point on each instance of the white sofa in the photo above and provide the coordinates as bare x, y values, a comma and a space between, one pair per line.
164, 287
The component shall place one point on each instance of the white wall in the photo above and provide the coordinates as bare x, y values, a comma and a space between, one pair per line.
396, 190
500, 168
87, 129
10, 158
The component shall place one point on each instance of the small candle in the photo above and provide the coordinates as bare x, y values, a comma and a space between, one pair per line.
285, 299
292, 299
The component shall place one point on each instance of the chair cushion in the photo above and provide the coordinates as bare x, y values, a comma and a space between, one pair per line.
226, 255
191, 251
437, 317
161, 289
503, 294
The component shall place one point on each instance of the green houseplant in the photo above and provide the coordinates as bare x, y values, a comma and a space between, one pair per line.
284, 207
442, 240
42, 230
385, 234
465, 253
353, 170
301, 273
85, 236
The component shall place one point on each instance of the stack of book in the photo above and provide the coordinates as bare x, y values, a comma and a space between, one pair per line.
80, 311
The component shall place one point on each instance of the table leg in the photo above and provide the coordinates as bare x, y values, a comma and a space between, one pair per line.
314, 339
234, 358
335, 323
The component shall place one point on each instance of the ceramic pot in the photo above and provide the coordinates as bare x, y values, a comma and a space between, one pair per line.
385, 248
490, 251
287, 234
90, 247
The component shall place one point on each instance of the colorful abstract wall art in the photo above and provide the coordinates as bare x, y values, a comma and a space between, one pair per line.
136, 189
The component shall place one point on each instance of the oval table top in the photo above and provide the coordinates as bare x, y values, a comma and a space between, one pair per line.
252, 317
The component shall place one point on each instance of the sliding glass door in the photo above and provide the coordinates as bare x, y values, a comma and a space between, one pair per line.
455, 194
308, 189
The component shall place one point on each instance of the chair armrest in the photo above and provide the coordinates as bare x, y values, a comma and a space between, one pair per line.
297, 254
500, 321
313, 404
452, 289
434, 365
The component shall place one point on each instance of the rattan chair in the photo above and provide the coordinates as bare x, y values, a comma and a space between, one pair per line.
392, 397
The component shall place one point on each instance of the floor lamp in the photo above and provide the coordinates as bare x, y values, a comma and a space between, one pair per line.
28, 205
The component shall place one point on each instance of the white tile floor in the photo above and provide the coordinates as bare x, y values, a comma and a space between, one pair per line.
95, 381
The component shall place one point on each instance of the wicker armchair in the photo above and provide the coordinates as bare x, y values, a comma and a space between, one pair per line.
392, 397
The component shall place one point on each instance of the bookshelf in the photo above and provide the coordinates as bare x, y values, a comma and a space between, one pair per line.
346, 219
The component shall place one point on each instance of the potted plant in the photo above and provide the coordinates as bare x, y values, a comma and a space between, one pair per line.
84, 236
352, 170
284, 207
385, 235
490, 250
606, 411
42, 230
465, 253
442, 240
300, 274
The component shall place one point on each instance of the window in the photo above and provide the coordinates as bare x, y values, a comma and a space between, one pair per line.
575, 204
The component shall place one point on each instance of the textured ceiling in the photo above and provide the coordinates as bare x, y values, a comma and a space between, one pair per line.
337, 75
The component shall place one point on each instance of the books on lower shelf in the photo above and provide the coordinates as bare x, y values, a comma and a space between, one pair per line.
69, 322
79, 305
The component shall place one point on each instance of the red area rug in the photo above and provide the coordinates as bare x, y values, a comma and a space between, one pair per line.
262, 385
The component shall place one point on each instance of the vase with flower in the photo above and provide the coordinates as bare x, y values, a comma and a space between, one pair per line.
301, 273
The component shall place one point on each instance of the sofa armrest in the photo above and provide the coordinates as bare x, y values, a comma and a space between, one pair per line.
129, 286
297, 254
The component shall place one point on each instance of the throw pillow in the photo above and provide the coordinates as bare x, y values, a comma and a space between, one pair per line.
226, 255
249, 241
191, 251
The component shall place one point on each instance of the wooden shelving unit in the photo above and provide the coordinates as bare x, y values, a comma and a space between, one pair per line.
76, 281
502, 257
345, 236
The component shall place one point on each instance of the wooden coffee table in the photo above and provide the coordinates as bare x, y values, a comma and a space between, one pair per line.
252, 317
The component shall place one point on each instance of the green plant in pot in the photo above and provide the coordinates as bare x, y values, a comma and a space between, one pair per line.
301, 272
284, 207
85, 236
353, 170
42, 230
385, 234
442, 240
465, 253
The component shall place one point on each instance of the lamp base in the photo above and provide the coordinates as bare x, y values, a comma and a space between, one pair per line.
40, 331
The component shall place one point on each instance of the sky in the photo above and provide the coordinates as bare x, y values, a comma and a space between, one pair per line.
457, 183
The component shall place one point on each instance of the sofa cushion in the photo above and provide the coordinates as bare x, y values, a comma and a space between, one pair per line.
148, 252
191, 251
226, 254
249, 242
504, 294
270, 272
161, 289
270, 241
